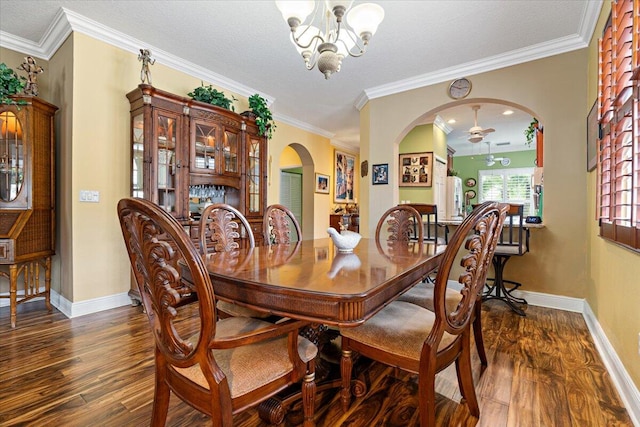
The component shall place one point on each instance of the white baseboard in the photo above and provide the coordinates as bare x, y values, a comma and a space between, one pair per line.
629, 393
75, 309
626, 388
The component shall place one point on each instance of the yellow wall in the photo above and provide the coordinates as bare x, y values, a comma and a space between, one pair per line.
553, 88
423, 138
88, 80
613, 290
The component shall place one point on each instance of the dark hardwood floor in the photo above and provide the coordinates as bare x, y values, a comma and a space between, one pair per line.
97, 370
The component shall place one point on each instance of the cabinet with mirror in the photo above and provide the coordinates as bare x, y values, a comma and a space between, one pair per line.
27, 200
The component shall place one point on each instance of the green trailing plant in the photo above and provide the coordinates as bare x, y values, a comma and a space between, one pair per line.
212, 96
530, 132
264, 118
10, 84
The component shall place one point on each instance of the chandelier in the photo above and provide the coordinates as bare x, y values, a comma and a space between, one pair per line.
326, 39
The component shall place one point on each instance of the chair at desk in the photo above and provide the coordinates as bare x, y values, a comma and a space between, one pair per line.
514, 241
417, 340
221, 228
277, 225
432, 231
217, 366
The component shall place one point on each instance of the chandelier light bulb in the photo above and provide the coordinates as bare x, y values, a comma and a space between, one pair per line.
365, 18
341, 38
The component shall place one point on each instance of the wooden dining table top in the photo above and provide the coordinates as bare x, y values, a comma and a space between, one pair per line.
311, 280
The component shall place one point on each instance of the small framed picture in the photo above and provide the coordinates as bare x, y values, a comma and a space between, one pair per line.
380, 174
322, 183
416, 169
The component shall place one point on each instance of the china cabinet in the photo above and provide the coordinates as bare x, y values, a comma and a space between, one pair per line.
27, 200
186, 154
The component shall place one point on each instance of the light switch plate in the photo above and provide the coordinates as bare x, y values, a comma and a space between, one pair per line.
90, 196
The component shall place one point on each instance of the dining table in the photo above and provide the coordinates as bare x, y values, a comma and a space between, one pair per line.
311, 280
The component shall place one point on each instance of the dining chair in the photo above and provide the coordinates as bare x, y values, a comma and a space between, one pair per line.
417, 340
422, 294
514, 241
398, 224
277, 225
222, 228
218, 366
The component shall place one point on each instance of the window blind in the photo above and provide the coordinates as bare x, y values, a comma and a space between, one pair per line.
618, 182
507, 186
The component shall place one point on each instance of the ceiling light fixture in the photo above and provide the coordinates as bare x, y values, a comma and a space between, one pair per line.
337, 39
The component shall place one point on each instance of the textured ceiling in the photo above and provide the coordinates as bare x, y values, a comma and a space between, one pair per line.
244, 46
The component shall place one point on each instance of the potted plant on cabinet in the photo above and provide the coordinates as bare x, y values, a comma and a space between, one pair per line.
10, 84
260, 111
212, 96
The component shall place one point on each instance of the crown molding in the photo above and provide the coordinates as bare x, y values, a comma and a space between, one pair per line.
66, 21
303, 125
442, 125
515, 57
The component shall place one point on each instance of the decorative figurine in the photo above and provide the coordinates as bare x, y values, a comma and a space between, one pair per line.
29, 65
145, 57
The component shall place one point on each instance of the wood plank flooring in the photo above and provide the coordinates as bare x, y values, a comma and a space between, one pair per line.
97, 370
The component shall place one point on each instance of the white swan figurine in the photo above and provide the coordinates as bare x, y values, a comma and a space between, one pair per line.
345, 241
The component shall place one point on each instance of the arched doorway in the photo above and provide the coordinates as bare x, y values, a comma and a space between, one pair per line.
296, 159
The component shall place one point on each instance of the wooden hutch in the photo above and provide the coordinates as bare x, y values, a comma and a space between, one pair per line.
27, 199
187, 154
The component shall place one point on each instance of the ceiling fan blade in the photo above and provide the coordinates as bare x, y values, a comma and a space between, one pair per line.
488, 130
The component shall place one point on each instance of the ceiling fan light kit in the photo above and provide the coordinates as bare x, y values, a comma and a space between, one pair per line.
477, 133
337, 39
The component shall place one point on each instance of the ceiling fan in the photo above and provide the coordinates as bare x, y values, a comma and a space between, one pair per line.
476, 133
491, 160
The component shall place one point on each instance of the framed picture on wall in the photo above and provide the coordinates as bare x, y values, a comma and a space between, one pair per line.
344, 164
322, 183
593, 134
380, 174
416, 169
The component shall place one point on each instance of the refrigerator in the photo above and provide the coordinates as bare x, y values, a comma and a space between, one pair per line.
455, 200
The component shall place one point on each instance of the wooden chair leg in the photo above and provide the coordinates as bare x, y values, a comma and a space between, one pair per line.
161, 397
477, 334
427, 397
346, 365
465, 378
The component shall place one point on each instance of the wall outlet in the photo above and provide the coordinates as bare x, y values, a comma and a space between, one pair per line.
91, 196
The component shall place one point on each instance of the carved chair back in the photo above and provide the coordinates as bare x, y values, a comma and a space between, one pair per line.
222, 227
215, 376
397, 224
277, 224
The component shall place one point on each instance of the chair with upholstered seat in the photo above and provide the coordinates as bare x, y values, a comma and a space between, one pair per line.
223, 228
220, 367
422, 295
417, 340
277, 225
514, 241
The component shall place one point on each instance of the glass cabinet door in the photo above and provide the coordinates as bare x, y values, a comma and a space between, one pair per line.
254, 175
166, 128
11, 157
230, 152
137, 156
203, 147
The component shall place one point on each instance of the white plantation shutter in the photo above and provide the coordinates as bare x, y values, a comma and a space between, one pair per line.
507, 186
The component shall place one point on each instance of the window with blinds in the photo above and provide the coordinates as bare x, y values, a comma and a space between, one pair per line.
618, 185
507, 186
